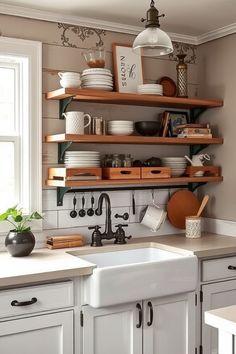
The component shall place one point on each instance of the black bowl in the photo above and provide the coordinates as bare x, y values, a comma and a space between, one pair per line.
147, 128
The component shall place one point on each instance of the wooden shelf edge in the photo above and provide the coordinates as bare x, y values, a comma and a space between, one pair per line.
111, 139
131, 98
161, 181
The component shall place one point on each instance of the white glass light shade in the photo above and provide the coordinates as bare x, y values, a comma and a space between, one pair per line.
153, 42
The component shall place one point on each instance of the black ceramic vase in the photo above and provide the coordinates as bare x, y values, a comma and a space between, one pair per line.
20, 244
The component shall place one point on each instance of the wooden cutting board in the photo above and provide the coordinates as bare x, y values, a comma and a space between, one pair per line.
181, 204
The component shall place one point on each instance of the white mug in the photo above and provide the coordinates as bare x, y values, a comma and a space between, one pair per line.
75, 122
153, 217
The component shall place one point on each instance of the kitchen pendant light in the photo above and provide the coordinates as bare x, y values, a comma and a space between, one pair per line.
152, 42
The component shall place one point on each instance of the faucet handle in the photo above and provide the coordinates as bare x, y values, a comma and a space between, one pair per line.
96, 227
120, 234
96, 236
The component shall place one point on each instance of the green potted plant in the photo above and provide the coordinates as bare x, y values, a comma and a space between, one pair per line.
20, 241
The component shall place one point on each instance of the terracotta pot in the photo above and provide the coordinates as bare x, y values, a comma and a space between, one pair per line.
20, 244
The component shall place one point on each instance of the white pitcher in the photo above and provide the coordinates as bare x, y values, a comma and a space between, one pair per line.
197, 160
75, 122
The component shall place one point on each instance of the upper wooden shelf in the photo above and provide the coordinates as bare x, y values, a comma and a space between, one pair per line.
131, 99
111, 139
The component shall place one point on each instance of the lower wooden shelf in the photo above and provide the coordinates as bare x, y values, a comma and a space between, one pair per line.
144, 182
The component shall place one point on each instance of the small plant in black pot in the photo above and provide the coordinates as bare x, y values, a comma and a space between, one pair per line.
20, 241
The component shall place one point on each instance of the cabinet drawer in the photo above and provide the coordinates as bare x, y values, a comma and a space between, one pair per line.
36, 299
219, 268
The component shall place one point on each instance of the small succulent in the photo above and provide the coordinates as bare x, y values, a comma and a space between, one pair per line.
20, 222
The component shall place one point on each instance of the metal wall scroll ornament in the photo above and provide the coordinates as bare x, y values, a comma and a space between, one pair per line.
184, 48
81, 32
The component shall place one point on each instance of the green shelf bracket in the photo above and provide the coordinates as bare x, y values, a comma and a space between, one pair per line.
61, 191
62, 147
193, 186
195, 113
63, 104
196, 149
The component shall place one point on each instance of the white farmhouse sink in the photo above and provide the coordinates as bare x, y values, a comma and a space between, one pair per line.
137, 274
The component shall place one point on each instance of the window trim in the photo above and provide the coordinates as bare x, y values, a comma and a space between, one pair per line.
33, 51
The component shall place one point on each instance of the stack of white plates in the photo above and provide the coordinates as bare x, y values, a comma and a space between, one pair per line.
75, 159
150, 89
97, 79
120, 127
177, 165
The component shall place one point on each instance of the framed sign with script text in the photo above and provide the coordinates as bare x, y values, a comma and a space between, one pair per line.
128, 69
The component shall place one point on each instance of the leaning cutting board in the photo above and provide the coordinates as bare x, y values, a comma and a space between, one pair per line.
181, 204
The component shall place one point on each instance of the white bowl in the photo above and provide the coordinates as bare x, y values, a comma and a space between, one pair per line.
174, 164
121, 122
70, 83
68, 75
173, 159
120, 130
120, 127
120, 133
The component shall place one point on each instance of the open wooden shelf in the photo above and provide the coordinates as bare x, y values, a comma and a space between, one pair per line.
145, 182
131, 99
111, 139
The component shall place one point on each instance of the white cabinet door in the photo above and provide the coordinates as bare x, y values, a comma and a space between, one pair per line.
215, 296
112, 330
45, 334
169, 325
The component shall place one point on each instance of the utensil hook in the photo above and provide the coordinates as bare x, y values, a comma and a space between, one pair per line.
153, 200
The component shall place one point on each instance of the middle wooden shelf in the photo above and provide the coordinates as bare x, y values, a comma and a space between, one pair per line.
146, 182
131, 139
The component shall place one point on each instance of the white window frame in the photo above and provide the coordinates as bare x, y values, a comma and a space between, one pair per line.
30, 189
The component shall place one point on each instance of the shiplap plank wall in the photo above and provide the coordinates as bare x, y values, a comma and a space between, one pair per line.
58, 57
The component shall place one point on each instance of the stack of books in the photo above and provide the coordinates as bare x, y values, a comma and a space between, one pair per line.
194, 131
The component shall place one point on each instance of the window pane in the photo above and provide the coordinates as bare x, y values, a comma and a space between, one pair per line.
7, 186
7, 99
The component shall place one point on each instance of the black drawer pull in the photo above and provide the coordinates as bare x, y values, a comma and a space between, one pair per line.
155, 172
125, 172
149, 323
140, 316
24, 303
230, 267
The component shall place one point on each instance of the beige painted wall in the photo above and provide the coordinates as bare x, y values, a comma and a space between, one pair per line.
60, 55
217, 77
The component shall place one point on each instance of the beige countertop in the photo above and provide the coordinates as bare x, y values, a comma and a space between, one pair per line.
209, 245
45, 265
41, 265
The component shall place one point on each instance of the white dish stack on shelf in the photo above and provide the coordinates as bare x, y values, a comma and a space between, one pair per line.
69, 79
177, 165
78, 159
97, 79
120, 127
150, 89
